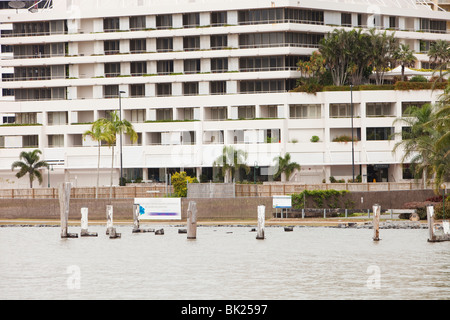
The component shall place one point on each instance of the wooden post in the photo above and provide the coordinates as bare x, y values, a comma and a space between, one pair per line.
136, 226
64, 207
84, 224
109, 223
192, 220
430, 218
376, 222
261, 220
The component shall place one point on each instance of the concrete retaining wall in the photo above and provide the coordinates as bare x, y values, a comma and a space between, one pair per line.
218, 209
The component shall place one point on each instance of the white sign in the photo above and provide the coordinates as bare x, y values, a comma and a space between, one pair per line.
282, 202
159, 208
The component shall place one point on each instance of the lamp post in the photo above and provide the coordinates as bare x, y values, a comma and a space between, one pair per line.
120, 118
48, 174
353, 142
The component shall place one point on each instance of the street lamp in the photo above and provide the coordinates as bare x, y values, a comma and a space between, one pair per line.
120, 118
353, 139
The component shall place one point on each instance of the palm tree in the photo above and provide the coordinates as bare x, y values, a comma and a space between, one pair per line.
439, 54
285, 167
231, 161
113, 127
418, 142
30, 165
405, 56
382, 47
97, 133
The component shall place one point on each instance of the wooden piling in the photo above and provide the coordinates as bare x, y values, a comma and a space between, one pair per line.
110, 230
136, 225
192, 220
261, 221
376, 222
432, 236
64, 207
84, 224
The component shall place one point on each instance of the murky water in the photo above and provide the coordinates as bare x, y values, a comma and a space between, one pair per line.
223, 263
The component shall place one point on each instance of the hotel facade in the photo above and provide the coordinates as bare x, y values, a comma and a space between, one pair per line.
193, 76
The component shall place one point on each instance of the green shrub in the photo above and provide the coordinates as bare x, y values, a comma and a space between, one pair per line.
180, 181
327, 199
418, 79
314, 139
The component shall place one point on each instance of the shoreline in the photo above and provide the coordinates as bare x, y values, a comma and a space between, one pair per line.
356, 223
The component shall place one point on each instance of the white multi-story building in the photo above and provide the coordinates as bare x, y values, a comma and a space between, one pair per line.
193, 76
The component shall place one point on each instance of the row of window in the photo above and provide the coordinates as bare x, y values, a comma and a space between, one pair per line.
164, 67
220, 18
189, 137
186, 113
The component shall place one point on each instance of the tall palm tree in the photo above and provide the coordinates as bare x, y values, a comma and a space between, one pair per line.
97, 133
439, 54
405, 57
285, 167
231, 161
113, 127
30, 165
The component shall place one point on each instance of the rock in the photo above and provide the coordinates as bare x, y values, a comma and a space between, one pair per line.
159, 232
182, 230
414, 217
288, 229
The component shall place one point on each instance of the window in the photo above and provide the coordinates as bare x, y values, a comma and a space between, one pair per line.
165, 67
111, 47
393, 22
138, 68
219, 65
191, 43
111, 91
164, 44
164, 114
26, 118
163, 89
30, 141
137, 115
219, 18
254, 64
217, 113
137, 23
191, 20
138, 45
382, 109
253, 86
341, 110
409, 105
435, 26
279, 39
219, 41
164, 21
379, 133
40, 94
137, 90
218, 87
303, 16
111, 24
186, 114
346, 19
246, 112
112, 69
190, 88
305, 111
192, 66
57, 118
262, 16
56, 141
